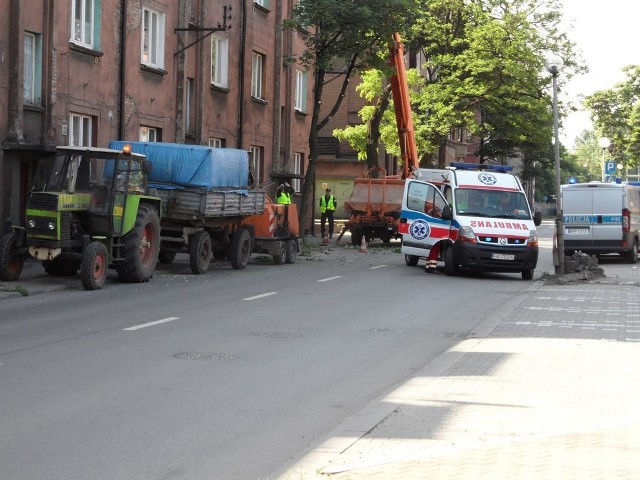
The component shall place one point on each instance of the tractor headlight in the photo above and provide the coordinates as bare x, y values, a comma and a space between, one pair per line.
52, 226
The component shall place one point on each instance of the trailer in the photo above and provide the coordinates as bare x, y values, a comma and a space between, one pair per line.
209, 210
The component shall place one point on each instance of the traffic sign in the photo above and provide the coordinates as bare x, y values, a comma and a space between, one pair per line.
609, 167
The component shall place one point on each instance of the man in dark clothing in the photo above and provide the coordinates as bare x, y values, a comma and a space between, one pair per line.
327, 210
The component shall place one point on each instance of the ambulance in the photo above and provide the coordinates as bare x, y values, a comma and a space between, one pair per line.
474, 217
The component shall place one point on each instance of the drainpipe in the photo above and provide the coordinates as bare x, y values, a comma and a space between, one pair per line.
243, 49
123, 62
276, 165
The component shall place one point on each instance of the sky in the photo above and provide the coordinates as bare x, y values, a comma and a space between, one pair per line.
607, 35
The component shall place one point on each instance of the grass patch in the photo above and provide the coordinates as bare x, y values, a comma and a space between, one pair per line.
17, 289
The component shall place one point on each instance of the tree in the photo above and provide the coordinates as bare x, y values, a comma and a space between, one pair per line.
616, 115
346, 35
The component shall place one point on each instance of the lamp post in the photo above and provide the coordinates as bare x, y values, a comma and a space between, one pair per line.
605, 143
553, 69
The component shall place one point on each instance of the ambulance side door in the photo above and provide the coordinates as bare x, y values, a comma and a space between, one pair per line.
421, 222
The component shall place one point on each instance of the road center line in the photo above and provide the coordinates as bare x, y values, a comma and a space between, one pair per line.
268, 294
330, 278
377, 266
151, 324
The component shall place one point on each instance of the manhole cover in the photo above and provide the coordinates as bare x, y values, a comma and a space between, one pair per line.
277, 334
205, 356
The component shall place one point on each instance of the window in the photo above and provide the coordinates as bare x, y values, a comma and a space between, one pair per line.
256, 163
80, 130
426, 199
262, 3
83, 22
297, 169
32, 81
152, 38
216, 142
190, 104
220, 61
257, 76
301, 91
150, 134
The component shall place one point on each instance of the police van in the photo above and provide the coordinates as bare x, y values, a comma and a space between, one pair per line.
601, 218
473, 217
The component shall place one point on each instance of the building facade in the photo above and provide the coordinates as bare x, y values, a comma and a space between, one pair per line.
206, 72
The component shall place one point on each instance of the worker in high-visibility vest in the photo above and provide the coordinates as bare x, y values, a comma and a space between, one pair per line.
327, 210
283, 195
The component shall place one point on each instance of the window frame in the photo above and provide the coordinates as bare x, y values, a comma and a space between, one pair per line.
298, 161
84, 122
215, 142
79, 31
219, 61
152, 38
256, 163
152, 134
258, 62
32, 73
300, 103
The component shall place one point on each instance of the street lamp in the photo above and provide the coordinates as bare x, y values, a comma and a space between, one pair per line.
554, 67
605, 143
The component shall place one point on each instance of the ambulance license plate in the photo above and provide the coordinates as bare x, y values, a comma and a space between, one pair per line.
503, 256
577, 231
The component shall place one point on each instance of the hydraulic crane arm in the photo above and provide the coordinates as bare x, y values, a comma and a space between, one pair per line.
400, 91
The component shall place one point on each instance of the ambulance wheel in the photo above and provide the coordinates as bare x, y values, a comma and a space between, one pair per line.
10, 262
292, 251
280, 258
240, 249
93, 270
200, 252
527, 274
632, 255
450, 268
411, 260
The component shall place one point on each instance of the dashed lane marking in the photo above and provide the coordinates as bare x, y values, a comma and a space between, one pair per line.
330, 278
151, 324
262, 295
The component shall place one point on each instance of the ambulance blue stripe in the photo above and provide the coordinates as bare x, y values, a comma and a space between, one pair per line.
413, 215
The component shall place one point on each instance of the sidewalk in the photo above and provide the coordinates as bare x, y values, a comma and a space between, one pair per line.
546, 388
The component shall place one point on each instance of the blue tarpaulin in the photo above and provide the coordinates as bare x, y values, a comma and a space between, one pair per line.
192, 165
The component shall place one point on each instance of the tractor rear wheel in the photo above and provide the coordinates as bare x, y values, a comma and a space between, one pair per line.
10, 262
93, 270
141, 247
240, 249
200, 252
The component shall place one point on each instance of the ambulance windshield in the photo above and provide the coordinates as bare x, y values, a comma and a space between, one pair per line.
491, 203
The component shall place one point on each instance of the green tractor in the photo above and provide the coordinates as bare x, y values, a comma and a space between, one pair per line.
93, 213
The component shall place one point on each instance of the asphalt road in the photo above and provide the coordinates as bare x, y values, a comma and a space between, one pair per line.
231, 374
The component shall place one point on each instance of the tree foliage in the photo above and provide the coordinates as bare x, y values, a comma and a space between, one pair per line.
616, 115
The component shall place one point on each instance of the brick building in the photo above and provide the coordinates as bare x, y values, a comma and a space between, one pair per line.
85, 72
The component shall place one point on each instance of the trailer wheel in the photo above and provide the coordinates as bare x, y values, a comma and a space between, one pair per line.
166, 256
527, 274
200, 252
450, 268
411, 260
10, 262
240, 249
93, 270
632, 255
141, 247
292, 251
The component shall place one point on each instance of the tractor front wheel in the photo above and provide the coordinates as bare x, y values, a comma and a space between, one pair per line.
95, 262
10, 262
141, 247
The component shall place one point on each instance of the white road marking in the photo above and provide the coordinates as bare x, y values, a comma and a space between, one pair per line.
262, 295
377, 266
151, 324
330, 278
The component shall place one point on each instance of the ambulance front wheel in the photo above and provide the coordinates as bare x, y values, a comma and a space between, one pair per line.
450, 268
411, 260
